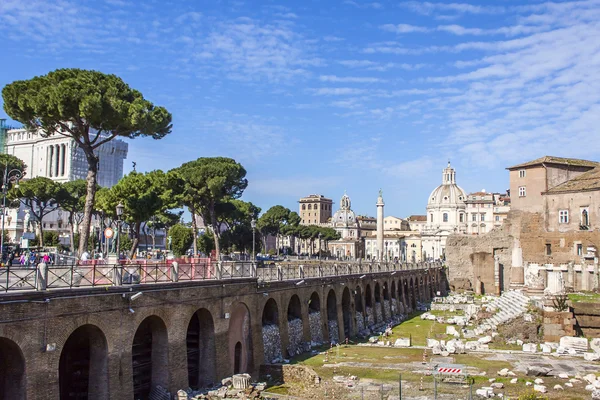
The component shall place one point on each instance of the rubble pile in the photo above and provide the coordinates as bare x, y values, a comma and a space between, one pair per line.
316, 328
236, 387
295, 343
387, 311
394, 306
378, 312
360, 322
334, 334
272, 343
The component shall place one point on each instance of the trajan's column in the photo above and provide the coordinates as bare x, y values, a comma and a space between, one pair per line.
380, 205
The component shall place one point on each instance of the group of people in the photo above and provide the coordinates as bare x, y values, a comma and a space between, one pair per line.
26, 258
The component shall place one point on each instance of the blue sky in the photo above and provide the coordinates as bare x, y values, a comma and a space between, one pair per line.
326, 96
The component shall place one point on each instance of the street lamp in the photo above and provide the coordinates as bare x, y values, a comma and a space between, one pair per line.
120, 209
9, 177
253, 226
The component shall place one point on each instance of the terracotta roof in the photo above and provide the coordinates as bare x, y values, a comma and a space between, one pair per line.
587, 181
557, 160
417, 218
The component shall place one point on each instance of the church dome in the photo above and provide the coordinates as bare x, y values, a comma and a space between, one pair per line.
344, 216
448, 192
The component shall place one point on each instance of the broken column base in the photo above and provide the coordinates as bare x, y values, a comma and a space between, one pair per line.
241, 381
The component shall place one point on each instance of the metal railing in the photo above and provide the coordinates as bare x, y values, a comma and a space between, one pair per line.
46, 277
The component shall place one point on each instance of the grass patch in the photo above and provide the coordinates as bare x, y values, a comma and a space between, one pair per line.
584, 297
419, 330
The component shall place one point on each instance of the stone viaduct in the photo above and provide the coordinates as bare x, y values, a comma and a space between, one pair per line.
107, 342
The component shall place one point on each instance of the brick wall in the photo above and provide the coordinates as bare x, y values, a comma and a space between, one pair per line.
39, 321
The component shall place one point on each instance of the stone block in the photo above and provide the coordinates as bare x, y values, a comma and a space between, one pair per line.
591, 356
402, 342
579, 344
530, 347
540, 388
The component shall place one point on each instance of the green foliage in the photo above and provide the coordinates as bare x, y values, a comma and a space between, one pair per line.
41, 195
237, 215
90, 107
50, 240
142, 195
206, 243
561, 302
207, 182
11, 163
532, 396
181, 239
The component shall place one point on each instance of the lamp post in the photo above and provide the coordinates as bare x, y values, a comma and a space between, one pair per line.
9, 176
253, 226
120, 209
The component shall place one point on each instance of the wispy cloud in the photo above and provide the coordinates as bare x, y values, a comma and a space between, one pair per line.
350, 79
428, 8
403, 28
359, 4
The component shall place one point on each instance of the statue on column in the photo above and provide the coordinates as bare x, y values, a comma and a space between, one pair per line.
27, 222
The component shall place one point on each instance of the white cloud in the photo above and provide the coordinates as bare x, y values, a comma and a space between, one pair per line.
403, 28
349, 79
345, 91
427, 8
374, 5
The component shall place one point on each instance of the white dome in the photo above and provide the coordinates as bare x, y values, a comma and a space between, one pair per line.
344, 216
448, 193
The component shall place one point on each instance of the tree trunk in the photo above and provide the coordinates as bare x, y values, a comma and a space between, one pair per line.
195, 231
88, 209
216, 233
136, 240
71, 232
41, 241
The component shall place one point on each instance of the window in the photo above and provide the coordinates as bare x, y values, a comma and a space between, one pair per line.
522, 191
497, 218
563, 216
462, 217
585, 218
522, 173
548, 249
483, 217
445, 217
579, 249
304, 206
431, 217
310, 206
474, 217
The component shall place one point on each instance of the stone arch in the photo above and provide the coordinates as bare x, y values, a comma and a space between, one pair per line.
12, 371
314, 318
150, 357
83, 365
332, 317
240, 340
347, 313
295, 326
270, 332
201, 351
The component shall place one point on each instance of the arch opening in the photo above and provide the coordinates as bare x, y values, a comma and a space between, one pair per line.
149, 357
12, 371
314, 318
240, 332
347, 313
83, 365
378, 305
295, 327
360, 312
201, 351
332, 317
270, 332
387, 306
370, 319
394, 299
